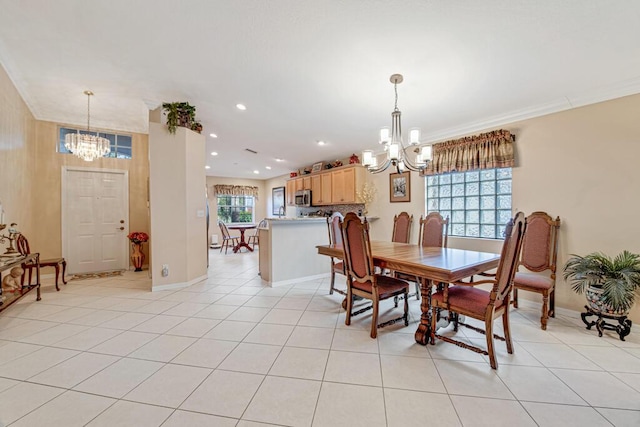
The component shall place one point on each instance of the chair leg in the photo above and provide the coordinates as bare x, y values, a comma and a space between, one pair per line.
222, 246
506, 325
515, 298
374, 318
347, 317
30, 270
64, 270
333, 279
488, 325
545, 310
434, 321
552, 302
57, 267
406, 309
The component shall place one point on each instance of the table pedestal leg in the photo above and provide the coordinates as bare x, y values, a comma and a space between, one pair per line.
424, 328
242, 243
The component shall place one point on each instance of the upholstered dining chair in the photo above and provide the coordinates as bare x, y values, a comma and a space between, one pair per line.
479, 304
402, 228
254, 238
361, 277
539, 254
23, 247
434, 232
335, 238
226, 237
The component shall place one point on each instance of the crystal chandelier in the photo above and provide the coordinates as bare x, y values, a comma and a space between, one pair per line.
396, 152
84, 145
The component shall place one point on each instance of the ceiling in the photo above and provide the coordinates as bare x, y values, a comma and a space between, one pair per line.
311, 70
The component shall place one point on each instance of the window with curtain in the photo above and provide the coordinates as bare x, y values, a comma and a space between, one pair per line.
235, 209
469, 181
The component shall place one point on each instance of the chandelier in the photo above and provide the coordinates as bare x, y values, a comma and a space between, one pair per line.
85, 145
396, 151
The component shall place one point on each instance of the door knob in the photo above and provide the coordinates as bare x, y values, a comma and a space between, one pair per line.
121, 228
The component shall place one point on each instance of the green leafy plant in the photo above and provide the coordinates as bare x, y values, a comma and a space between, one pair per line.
618, 278
181, 114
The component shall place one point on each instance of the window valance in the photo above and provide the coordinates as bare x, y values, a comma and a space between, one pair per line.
484, 151
235, 190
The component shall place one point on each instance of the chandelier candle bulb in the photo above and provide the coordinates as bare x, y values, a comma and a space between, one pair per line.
414, 136
394, 151
385, 135
367, 157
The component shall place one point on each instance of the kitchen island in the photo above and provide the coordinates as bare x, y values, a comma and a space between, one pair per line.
288, 250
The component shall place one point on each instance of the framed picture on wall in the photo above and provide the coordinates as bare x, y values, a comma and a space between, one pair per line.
277, 200
400, 187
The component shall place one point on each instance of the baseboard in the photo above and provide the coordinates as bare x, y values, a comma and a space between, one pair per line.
298, 279
179, 285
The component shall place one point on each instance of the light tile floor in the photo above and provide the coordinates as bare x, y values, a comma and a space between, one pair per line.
233, 352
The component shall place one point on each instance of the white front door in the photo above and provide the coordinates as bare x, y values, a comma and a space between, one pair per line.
95, 219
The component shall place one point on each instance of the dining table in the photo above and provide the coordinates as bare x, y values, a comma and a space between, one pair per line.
241, 228
430, 265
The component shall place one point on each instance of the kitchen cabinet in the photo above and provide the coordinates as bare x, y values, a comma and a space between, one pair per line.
321, 189
343, 186
291, 192
335, 187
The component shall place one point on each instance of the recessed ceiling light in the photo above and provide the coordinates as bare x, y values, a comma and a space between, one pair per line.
213, 135
241, 107
214, 153
279, 160
268, 167
207, 167
256, 172
321, 143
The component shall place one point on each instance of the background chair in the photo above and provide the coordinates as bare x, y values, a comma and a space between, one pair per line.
539, 254
402, 228
335, 238
361, 278
434, 231
254, 238
23, 247
226, 237
483, 305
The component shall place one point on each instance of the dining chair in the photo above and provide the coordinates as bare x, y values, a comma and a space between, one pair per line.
254, 238
539, 254
226, 237
402, 228
362, 280
335, 238
23, 247
479, 304
434, 232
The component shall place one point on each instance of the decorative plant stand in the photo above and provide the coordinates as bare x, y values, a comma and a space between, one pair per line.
623, 328
137, 257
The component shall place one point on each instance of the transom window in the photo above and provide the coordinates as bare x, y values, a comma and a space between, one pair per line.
120, 144
478, 203
235, 209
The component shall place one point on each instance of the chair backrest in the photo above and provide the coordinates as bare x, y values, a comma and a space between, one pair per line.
434, 230
357, 250
22, 244
224, 230
401, 228
261, 224
335, 233
540, 245
514, 235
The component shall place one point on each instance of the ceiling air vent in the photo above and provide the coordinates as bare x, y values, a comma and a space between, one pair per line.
250, 150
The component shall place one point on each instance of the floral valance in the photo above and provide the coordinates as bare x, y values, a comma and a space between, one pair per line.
235, 190
485, 151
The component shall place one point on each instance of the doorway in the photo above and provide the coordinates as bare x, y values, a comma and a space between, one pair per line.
95, 219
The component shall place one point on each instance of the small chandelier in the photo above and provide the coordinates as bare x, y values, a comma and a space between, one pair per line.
394, 146
84, 145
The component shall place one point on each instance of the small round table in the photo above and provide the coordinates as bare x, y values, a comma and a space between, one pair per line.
242, 228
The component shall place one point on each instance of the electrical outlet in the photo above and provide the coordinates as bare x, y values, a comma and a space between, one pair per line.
165, 270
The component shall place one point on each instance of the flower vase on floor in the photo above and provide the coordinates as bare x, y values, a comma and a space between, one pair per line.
137, 257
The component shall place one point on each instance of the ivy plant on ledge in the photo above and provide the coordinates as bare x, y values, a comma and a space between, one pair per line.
181, 114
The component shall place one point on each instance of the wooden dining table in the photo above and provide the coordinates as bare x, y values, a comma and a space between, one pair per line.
431, 265
241, 228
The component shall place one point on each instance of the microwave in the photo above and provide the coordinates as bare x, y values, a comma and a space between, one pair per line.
303, 198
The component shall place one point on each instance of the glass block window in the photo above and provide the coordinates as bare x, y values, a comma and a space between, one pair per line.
235, 209
478, 203
120, 144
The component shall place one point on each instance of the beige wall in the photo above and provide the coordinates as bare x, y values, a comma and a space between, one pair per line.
31, 173
17, 166
580, 164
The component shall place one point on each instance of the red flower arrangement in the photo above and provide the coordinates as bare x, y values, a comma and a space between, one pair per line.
138, 237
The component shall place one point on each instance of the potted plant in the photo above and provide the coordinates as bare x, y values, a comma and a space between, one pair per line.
610, 284
137, 238
181, 114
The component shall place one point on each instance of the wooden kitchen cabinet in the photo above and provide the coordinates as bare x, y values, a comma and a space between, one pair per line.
321, 189
343, 186
336, 187
291, 192
306, 183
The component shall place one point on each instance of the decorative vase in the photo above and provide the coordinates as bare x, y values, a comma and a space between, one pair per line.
595, 303
137, 257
